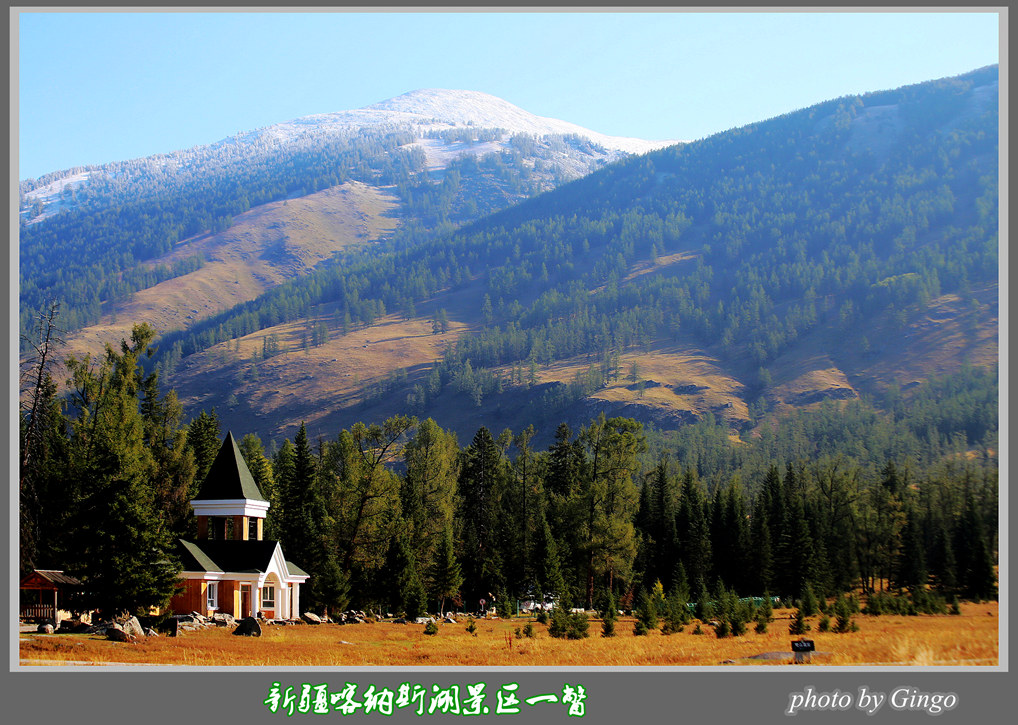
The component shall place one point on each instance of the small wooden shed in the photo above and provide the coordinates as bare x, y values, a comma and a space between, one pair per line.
42, 591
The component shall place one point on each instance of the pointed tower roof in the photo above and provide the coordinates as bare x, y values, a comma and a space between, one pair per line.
229, 477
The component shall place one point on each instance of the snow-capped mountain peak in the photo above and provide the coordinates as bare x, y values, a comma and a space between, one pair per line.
437, 108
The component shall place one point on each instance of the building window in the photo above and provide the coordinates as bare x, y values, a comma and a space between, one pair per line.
212, 595
268, 597
252, 528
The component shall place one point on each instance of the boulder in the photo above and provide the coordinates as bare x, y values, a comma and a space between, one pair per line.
116, 633
248, 627
45, 628
149, 632
311, 618
424, 620
224, 619
399, 620
133, 627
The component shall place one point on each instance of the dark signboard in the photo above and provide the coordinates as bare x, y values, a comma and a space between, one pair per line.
802, 645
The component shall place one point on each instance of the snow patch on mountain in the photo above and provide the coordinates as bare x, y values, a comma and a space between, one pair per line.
423, 114
435, 109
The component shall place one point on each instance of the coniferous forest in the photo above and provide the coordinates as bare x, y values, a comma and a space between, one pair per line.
772, 231
400, 516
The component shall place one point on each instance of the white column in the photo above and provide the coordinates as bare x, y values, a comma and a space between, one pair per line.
296, 598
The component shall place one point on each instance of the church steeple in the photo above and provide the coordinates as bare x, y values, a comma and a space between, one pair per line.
229, 503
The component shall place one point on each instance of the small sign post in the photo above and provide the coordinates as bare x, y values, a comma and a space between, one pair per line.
803, 650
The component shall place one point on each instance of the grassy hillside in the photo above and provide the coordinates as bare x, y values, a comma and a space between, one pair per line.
835, 251
263, 248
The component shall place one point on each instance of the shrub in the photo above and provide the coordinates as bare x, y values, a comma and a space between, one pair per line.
825, 624
609, 615
808, 605
798, 625
431, 628
568, 625
503, 605
843, 613
471, 627
646, 612
528, 631
676, 614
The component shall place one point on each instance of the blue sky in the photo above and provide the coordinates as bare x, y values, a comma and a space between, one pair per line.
98, 87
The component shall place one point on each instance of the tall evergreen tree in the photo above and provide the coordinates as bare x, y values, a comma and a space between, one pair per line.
119, 549
546, 561
446, 574
482, 481
203, 440
693, 529
613, 446
260, 466
173, 467
428, 491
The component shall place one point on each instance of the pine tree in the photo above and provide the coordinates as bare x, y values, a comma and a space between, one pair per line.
43, 484
693, 528
118, 548
798, 625
203, 440
609, 614
546, 561
705, 608
428, 491
646, 614
676, 613
447, 577
808, 603
260, 467
843, 614
42, 445
173, 467
482, 481
613, 446
282, 475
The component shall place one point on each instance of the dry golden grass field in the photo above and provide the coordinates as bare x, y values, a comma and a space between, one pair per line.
925, 640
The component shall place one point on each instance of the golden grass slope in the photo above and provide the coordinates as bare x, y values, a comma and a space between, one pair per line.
839, 362
262, 248
314, 385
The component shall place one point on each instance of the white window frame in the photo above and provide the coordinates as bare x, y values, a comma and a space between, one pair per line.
212, 595
268, 602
